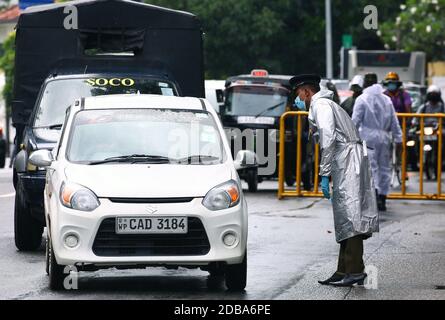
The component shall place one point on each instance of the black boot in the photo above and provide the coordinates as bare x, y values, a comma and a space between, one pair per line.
334, 278
350, 279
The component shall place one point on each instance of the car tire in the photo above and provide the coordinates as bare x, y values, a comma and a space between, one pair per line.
236, 275
252, 180
55, 270
47, 255
27, 230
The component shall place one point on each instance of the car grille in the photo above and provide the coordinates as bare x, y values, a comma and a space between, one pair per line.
109, 244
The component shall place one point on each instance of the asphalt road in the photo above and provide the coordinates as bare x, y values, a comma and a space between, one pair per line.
291, 246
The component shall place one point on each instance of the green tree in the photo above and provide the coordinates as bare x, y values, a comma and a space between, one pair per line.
7, 65
420, 26
283, 36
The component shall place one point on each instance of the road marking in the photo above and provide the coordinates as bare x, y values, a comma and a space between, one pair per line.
9, 195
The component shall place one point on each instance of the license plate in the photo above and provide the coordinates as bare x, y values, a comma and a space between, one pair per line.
144, 225
256, 120
430, 138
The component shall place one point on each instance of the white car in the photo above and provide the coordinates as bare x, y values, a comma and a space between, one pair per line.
143, 180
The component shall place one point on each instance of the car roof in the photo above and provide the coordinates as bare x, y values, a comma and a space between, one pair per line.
142, 101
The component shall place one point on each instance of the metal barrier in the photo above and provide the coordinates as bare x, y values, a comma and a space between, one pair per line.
421, 195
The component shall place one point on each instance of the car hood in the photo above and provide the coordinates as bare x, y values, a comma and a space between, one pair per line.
149, 180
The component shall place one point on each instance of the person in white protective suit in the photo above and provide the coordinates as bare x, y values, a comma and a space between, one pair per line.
375, 117
344, 159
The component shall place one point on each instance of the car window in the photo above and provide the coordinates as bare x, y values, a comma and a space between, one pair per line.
100, 134
59, 94
253, 100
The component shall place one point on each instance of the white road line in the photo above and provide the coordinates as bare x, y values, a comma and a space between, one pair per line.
9, 195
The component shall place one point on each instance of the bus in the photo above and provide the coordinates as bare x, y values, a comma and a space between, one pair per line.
409, 65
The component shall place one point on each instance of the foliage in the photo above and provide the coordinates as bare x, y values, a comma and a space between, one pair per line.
283, 36
7, 65
419, 26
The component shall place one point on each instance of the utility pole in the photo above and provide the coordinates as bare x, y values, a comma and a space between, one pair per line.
329, 62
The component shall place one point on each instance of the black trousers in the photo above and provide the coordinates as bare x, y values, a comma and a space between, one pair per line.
350, 258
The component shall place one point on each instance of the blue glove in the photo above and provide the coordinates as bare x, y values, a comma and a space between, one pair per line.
325, 187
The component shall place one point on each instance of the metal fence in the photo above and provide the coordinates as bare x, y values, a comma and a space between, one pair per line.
403, 194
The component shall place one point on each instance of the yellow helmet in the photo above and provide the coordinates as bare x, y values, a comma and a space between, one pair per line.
392, 76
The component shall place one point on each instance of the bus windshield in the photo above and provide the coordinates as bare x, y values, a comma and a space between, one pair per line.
256, 100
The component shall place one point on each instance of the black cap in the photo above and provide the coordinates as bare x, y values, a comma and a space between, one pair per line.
303, 79
369, 79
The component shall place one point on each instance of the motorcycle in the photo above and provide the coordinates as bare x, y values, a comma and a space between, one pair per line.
430, 148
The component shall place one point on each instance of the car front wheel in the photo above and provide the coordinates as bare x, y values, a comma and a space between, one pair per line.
55, 270
236, 275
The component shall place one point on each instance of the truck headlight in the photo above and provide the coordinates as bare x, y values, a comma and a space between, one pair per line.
223, 196
78, 197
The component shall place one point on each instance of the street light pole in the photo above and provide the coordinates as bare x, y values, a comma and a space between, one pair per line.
329, 62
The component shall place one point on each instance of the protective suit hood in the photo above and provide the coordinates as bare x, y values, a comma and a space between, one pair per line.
374, 90
327, 94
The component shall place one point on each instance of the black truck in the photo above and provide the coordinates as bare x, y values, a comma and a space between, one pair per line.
119, 47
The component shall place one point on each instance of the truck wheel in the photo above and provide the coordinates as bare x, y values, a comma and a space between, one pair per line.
27, 230
55, 270
252, 180
236, 275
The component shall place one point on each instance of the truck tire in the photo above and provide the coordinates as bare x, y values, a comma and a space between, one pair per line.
27, 230
236, 275
252, 180
55, 270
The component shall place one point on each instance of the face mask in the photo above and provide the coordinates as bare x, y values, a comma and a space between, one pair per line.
433, 97
392, 87
300, 104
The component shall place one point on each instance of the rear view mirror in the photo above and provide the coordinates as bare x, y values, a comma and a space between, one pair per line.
245, 159
41, 158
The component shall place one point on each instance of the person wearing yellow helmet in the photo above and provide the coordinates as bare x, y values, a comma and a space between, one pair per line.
400, 98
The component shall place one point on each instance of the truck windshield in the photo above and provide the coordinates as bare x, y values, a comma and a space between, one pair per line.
254, 100
144, 135
59, 94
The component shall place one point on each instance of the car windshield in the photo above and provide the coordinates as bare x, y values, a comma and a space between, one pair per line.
255, 100
59, 94
144, 135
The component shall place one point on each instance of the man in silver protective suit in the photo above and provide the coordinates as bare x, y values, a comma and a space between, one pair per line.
343, 159
375, 117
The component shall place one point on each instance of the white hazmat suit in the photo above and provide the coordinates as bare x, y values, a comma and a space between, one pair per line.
375, 117
343, 157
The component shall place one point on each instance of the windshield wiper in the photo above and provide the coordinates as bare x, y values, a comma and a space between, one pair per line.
57, 126
269, 109
134, 158
196, 159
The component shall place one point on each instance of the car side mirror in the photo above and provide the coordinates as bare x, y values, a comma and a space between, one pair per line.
245, 159
41, 158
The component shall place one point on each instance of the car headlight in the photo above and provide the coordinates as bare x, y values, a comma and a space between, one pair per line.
77, 197
223, 196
